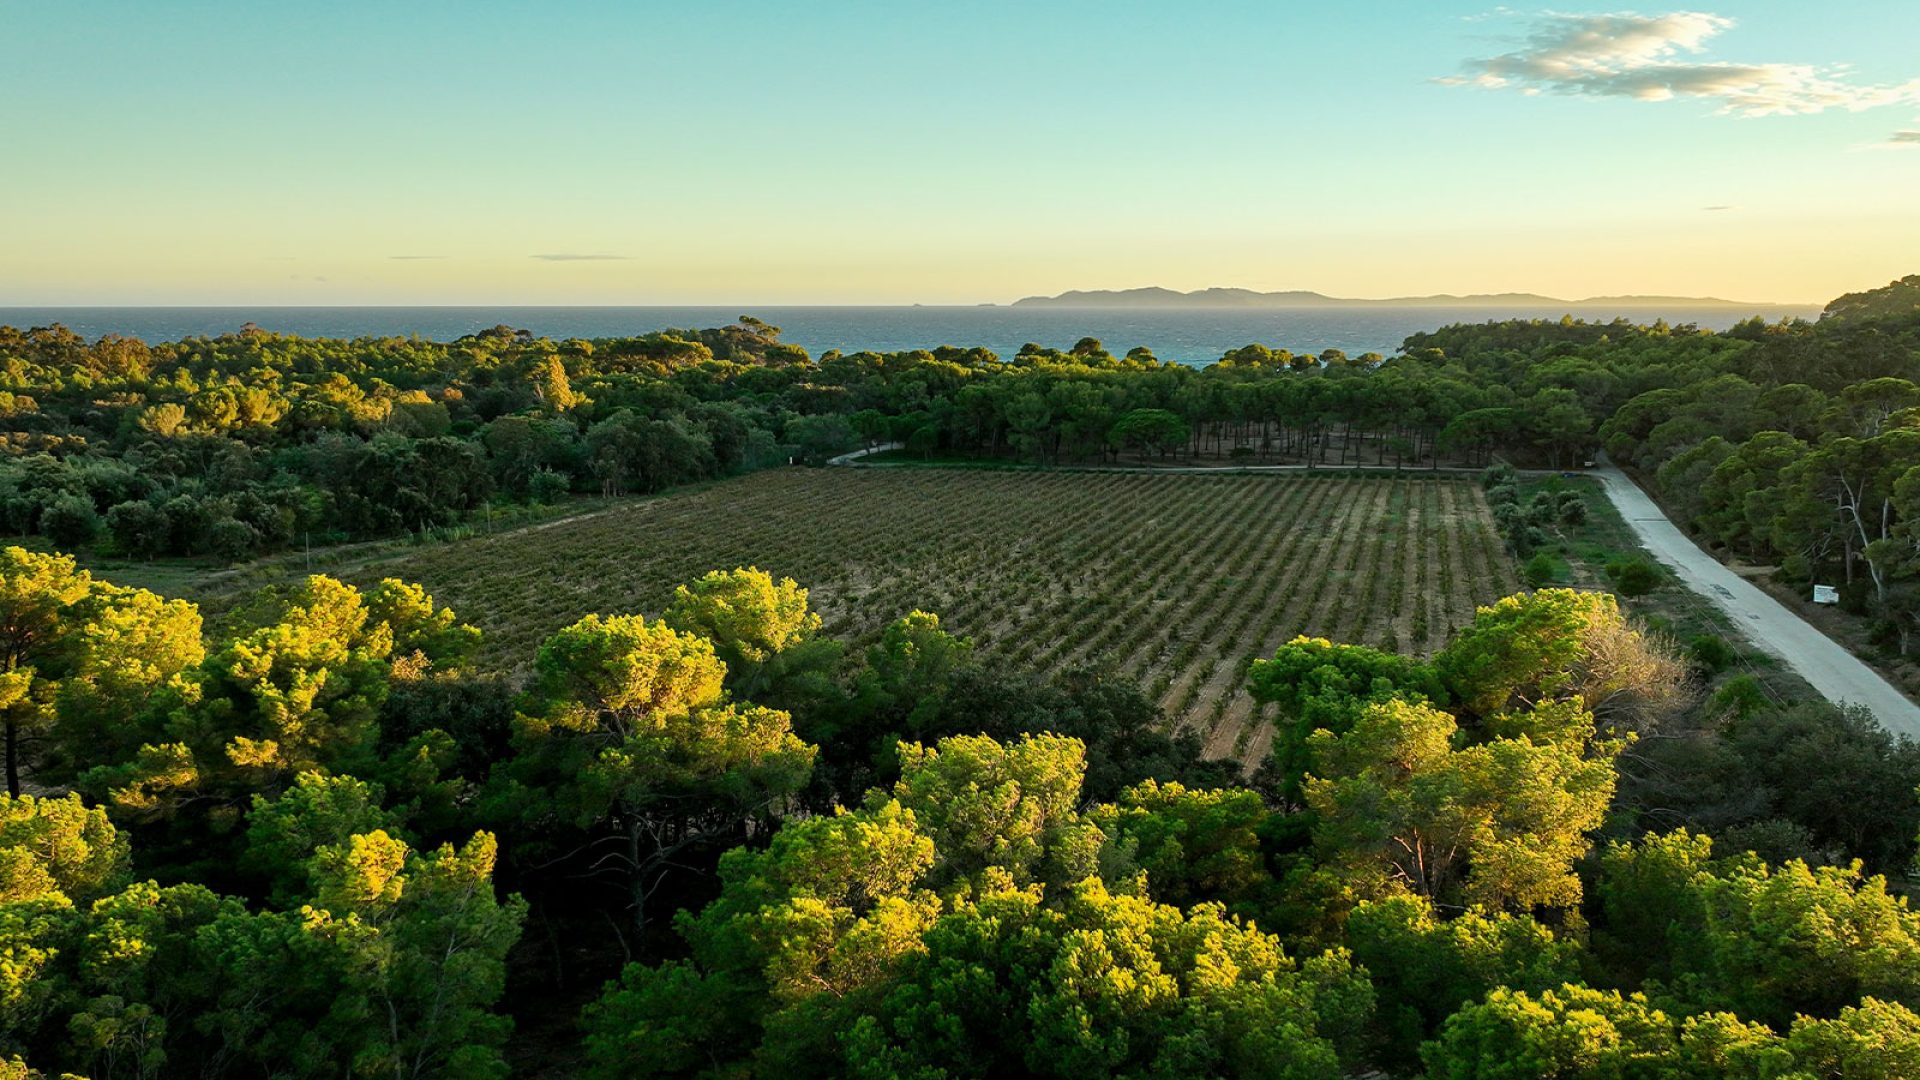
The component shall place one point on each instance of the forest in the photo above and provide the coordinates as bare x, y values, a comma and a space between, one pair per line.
318, 832
316, 841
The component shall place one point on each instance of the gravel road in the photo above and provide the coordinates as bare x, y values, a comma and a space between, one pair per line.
1770, 625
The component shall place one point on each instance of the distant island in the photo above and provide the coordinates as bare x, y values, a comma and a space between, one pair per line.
1154, 297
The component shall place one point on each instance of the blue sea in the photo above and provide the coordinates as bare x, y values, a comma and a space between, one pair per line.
1190, 335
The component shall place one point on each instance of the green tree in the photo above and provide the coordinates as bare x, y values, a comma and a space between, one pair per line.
1498, 824
1010, 808
1540, 570
126, 651
393, 971
753, 622
624, 728
302, 691
1580, 1034
1154, 431
909, 671
1195, 846
283, 833
57, 848
70, 521
1876, 1040
829, 908
1107, 985
1634, 577
1317, 684
1766, 942
38, 598
1425, 968
1562, 644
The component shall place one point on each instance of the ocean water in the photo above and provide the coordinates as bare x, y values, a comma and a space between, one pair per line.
1192, 336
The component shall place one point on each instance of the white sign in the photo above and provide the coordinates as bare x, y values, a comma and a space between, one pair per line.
1826, 594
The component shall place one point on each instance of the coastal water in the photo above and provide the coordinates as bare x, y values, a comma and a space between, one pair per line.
1194, 336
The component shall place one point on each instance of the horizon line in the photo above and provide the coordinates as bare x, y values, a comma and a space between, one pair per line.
747, 306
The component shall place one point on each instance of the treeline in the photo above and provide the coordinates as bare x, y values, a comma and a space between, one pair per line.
254, 442
1795, 445
717, 844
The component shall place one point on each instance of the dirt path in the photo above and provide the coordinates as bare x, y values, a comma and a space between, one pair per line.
1771, 626
849, 458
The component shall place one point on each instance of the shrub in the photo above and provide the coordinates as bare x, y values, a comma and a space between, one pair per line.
70, 521
1539, 569
1710, 653
547, 486
232, 540
1634, 577
1742, 696
139, 529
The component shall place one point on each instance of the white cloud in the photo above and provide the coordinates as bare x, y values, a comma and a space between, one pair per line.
1651, 58
1905, 140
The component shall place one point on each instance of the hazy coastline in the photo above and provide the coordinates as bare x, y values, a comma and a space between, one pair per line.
1184, 334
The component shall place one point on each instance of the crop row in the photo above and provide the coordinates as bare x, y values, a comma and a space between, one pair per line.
1176, 581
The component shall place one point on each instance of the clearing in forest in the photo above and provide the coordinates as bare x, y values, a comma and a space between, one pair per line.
1176, 581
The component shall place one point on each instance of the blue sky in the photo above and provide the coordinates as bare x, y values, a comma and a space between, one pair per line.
864, 152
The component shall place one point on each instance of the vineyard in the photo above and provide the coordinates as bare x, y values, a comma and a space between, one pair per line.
1176, 581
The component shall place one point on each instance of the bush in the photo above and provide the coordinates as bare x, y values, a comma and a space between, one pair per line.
138, 528
70, 521
1573, 508
188, 524
1710, 653
1634, 577
1741, 697
232, 540
1539, 570
547, 486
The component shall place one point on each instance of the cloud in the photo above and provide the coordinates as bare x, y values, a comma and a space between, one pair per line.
1904, 139
1653, 58
413, 258
1716, 208
574, 257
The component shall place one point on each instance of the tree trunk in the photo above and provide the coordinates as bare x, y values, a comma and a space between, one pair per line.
638, 883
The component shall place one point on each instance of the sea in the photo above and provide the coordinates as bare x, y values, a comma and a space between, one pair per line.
1187, 335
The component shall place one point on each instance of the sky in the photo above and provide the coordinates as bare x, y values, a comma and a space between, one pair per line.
832, 152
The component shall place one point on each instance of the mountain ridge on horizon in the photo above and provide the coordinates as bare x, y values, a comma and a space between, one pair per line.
1155, 296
